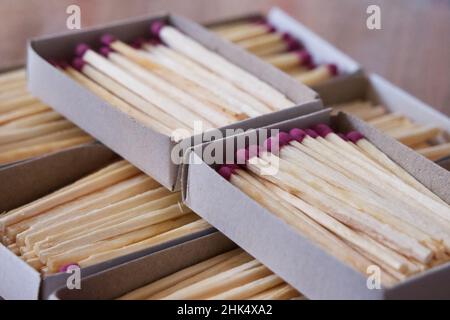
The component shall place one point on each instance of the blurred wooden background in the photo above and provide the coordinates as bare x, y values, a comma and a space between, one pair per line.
412, 50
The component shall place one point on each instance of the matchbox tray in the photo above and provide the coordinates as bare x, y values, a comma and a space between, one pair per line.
145, 148
31, 179
121, 279
301, 263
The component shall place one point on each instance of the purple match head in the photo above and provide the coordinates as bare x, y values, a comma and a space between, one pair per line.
156, 26
342, 136
311, 66
355, 136
78, 63
332, 68
297, 134
253, 151
63, 64
284, 138
225, 172
242, 155
311, 133
107, 39
292, 43
65, 267
233, 167
105, 51
272, 144
304, 57
270, 28
322, 129
138, 43
81, 49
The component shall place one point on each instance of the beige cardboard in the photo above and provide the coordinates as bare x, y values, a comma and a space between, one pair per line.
142, 146
299, 262
119, 280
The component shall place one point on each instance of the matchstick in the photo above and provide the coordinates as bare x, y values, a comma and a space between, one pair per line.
417, 135
203, 110
245, 31
133, 84
19, 134
318, 75
175, 39
289, 60
236, 100
435, 152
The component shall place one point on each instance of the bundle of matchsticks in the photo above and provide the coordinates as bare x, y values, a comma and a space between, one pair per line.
346, 195
277, 48
29, 128
233, 275
171, 81
428, 140
113, 212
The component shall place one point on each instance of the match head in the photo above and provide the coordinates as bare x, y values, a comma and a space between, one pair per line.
304, 57
78, 63
311, 133
156, 26
225, 172
233, 167
242, 155
292, 43
284, 138
138, 43
322, 129
64, 268
342, 136
332, 68
355, 136
107, 39
297, 134
105, 51
81, 49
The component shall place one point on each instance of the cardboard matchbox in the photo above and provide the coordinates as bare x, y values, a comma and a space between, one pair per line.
117, 281
378, 90
321, 50
147, 149
301, 263
29, 180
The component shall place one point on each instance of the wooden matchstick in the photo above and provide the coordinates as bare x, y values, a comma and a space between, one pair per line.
133, 84
180, 42
245, 31
18, 111
417, 135
318, 75
435, 152
289, 60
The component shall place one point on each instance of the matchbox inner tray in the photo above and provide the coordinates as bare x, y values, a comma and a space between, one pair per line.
289, 254
145, 148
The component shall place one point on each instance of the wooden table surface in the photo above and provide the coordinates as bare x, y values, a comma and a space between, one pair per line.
412, 49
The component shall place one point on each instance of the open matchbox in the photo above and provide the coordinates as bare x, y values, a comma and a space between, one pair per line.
321, 50
284, 250
145, 148
34, 178
117, 281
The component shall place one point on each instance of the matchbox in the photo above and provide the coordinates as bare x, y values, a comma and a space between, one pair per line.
299, 261
145, 148
33, 179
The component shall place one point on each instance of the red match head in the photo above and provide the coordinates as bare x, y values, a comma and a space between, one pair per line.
272, 144
138, 43
81, 49
322, 129
311, 133
78, 63
284, 138
297, 134
292, 43
333, 69
233, 166
64, 268
355, 136
156, 26
225, 172
305, 57
342, 136
107, 39
105, 51
242, 155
